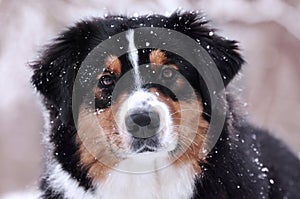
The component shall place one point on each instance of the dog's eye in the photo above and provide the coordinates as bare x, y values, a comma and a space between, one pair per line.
168, 73
106, 81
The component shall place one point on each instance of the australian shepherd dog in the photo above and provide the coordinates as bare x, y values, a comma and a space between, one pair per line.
138, 107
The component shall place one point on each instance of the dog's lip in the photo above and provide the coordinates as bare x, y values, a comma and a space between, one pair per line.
146, 148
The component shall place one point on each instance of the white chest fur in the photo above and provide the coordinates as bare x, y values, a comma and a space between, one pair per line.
144, 178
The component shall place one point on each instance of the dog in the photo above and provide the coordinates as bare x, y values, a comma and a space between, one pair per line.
132, 105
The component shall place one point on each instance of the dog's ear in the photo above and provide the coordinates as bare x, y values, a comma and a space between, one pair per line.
56, 69
223, 52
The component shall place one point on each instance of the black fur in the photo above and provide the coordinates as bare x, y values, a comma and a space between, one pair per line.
236, 166
244, 164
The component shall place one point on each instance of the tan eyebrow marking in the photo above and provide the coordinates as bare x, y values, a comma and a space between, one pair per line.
157, 57
113, 64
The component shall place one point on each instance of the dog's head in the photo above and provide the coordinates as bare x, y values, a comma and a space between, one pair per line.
123, 88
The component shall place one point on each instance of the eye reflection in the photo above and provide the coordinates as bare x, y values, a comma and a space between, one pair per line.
106, 81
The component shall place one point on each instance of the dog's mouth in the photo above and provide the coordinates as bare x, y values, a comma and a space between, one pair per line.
146, 148
142, 145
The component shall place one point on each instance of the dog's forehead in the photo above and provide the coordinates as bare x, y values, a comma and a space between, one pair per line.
135, 65
126, 52
154, 58
136, 58
147, 64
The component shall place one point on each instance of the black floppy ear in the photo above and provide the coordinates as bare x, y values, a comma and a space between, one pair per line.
223, 52
55, 71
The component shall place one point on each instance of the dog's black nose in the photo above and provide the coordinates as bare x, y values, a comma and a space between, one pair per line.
142, 124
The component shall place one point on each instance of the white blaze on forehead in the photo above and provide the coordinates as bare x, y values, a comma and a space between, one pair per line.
134, 58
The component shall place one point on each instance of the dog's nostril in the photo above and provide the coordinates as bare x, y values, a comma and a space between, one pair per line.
141, 118
142, 124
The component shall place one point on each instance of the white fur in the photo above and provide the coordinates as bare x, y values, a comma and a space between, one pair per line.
160, 183
147, 176
146, 100
134, 58
62, 182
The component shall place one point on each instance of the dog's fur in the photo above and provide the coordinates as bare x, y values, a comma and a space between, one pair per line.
246, 162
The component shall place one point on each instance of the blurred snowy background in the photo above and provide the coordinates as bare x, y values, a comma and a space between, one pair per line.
269, 32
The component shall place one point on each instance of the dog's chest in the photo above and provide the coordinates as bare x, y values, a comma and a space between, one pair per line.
166, 183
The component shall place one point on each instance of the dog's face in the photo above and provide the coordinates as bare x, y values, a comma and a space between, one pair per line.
146, 102
155, 111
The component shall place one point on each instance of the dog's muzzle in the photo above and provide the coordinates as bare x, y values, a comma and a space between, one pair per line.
143, 125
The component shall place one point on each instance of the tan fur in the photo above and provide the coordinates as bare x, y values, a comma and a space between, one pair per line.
99, 142
93, 146
157, 57
192, 134
113, 64
189, 128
